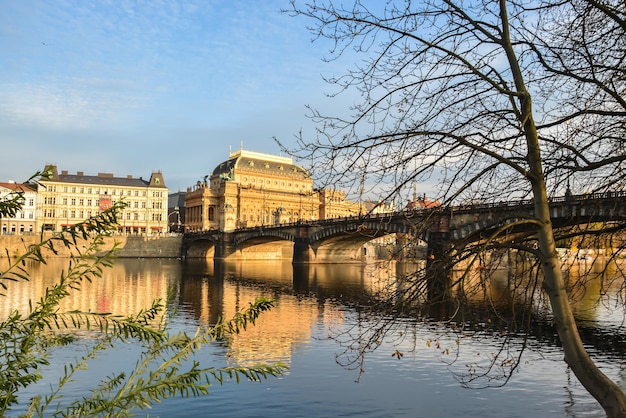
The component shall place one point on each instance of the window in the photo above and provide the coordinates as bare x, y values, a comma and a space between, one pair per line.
73, 189
73, 202
81, 202
65, 189
72, 214
82, 190
136, 216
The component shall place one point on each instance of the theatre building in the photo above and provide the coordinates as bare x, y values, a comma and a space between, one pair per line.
65, 199
251, 189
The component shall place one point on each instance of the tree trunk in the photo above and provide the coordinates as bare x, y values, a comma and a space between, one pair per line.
603, 389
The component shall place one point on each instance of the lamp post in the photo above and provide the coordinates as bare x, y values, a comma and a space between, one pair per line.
174, 226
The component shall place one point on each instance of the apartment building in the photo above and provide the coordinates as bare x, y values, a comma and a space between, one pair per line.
25, 220
65, 199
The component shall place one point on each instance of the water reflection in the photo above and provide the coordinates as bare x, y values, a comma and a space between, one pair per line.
205, 291
124, 289
311, 300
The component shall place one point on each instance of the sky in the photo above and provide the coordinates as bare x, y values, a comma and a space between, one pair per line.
132, 87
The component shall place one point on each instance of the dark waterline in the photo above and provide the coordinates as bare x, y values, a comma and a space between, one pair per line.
312, 305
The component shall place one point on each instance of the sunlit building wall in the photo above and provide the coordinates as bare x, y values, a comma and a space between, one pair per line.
251, 189
65, 199
255, 189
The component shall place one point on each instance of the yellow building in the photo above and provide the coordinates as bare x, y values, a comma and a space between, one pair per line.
65, 199
255, 189
334, 205
251, 189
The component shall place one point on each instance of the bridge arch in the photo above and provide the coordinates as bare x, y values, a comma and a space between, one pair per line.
345, 242
201, 247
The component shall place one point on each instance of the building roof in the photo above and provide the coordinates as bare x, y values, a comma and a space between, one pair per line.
104, 179
259, 163
17, 187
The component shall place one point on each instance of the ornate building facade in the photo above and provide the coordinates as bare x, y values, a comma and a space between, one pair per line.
256, 189
65, 199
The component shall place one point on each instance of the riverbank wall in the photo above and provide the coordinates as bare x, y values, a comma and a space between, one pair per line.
129, 246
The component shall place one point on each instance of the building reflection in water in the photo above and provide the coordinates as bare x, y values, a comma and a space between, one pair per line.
203, 292
124, 289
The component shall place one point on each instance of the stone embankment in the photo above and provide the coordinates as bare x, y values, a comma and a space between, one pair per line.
129, 246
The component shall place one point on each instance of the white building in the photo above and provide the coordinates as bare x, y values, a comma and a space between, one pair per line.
25, 220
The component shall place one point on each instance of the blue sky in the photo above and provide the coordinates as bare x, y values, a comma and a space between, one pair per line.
132, 87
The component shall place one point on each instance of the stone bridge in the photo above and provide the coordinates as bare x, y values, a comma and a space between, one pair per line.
342, 239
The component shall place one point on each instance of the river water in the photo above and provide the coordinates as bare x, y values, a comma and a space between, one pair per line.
416, 376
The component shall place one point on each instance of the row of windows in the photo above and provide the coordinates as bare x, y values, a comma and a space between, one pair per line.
90, 202
112, 192
72, 214
96, 190
135, 216
27, 201
14, 228
81, 214
283, 184
21, 215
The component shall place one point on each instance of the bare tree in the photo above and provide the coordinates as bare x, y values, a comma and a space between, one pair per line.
486, 100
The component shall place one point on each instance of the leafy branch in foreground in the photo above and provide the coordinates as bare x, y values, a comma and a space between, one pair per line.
166, 366
165, 369
25, 338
